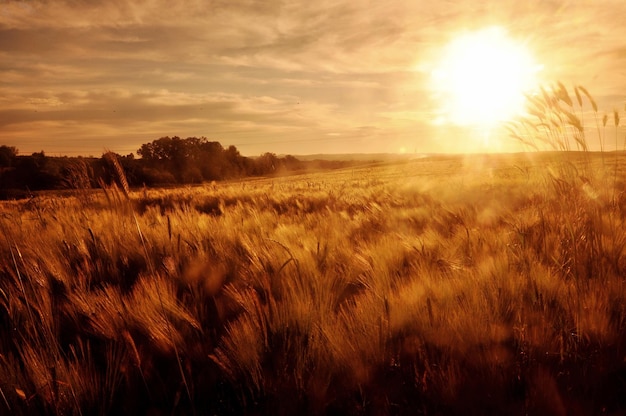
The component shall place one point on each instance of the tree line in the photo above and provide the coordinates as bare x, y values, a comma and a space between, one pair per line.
165, 161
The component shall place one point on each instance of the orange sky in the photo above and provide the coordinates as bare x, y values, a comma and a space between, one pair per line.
297, 76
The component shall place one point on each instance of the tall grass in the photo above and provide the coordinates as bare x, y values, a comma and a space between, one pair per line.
437, 286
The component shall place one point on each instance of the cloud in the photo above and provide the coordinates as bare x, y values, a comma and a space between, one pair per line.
269, 71
118, 112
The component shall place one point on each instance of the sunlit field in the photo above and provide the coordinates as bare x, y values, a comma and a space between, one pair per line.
276, 208
443, 285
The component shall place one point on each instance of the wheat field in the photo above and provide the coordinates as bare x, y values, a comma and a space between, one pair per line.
484, 284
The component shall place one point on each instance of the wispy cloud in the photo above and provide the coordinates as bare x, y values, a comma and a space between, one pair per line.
271, 75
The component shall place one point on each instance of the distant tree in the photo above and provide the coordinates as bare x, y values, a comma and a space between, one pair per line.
195, 159
190, 160
7, 160
232, 153
291, 163
160, 150
173, 154
267, 163
7, 156
191, 174
235, 164
39, 171
210, 160
152, 177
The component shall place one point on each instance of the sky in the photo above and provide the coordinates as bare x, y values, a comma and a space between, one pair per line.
79, 77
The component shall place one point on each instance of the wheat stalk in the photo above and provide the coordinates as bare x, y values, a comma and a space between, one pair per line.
119, 171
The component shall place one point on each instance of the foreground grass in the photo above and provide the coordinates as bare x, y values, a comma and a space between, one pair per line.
451, 285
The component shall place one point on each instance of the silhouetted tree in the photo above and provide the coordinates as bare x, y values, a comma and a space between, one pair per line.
166, 160
235, 163
211, 160
193, 159
180, 157
7, 156
291, 163
38, 171
267, 163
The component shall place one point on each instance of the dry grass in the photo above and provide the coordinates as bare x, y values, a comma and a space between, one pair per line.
452, 285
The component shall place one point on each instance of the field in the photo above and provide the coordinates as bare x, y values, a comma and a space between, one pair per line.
444, 285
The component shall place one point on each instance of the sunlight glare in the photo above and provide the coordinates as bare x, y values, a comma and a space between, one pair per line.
482, 78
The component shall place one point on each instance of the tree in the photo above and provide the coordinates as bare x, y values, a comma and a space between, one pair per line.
160, 150
194, 159
291, 163
39, 171
189, 160
235, 165
210, 160
267, 163
169, 153
7, 156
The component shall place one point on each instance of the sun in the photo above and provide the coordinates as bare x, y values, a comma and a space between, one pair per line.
482, 78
